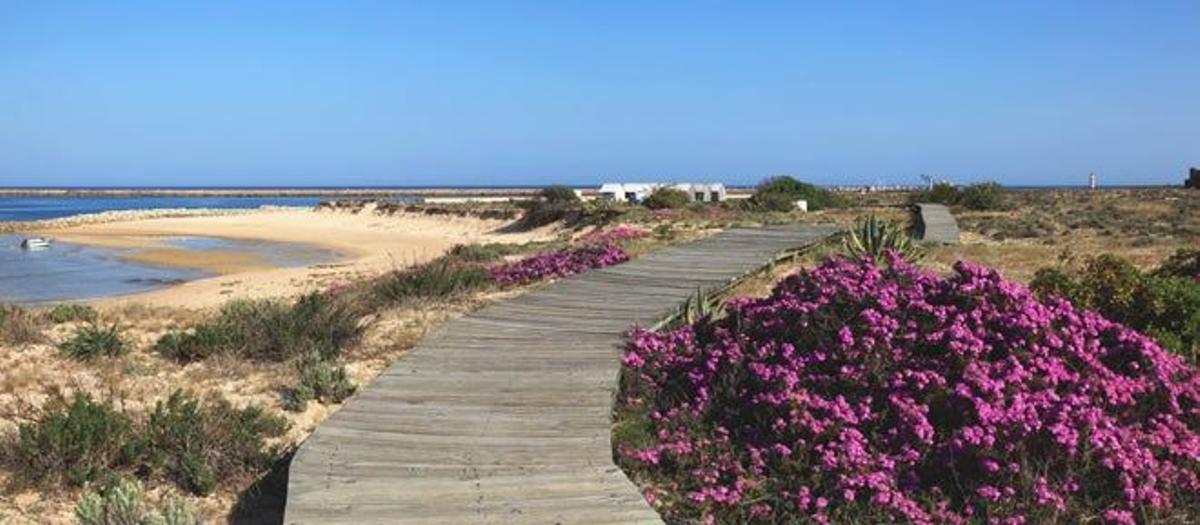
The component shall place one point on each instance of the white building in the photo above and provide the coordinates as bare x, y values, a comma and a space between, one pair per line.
635, 192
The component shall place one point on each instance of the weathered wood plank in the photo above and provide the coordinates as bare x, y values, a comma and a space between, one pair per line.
503, 416
934, 223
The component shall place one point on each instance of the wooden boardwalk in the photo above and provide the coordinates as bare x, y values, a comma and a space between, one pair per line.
504, 416
935, 224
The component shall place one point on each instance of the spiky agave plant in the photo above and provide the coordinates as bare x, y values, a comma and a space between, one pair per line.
873, 237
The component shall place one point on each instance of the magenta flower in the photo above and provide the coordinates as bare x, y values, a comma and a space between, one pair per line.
857, 391
559, 263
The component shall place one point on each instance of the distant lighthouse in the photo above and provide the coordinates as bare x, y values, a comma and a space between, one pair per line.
1092, 180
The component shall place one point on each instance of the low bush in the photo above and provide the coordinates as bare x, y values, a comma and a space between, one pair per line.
558, 193
270, 330
199, 445
980, 196
780, 194
561, 263
94, 340
19, 326
871, 393
192, 444
195, 445
201, 342
73, 442
983, 196
667, 199
69, 313
554, 204
940, 193
1157, 303
436, 280
321, 380
123, 502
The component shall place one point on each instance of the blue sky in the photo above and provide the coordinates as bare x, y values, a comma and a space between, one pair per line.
446, 93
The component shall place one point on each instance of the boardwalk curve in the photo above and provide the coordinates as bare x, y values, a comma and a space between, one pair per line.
934, 223
504, 416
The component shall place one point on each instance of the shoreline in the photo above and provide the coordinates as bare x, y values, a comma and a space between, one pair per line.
363, 245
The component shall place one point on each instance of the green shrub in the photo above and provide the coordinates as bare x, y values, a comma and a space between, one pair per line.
940, 193
558, 194
667, 198
68, 313
982, 196
123, 502
554, 204
1183, 263
873, 238
203, 341
75, 443
269, 330
321, 380
780, 194
19, 326
542, 213
93, 340
195, 445
1054, 282
774, 202
440, 279
1163, 306
198, 445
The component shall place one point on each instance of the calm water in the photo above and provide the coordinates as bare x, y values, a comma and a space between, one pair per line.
71, 271
36, 208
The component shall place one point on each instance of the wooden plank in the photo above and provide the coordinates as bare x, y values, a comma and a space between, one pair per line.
935, 224
503, 416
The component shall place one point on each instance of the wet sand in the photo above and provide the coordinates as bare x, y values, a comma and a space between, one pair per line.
366, 245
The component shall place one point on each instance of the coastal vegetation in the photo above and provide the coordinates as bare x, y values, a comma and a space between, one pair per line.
1163, 303
269, 329
980, 196
874, 239
296, 357
95, 340
781, 193
908, 397
444, 278
123, 502
560, 263
667, 198
19, 326
71, 313
321, 380
192, 444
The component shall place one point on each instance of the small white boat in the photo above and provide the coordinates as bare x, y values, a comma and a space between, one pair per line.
35, 243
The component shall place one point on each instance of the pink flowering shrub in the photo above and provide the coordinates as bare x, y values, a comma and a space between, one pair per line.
858, 393
560, 263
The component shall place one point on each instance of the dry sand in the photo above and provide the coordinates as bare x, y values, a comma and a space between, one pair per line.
369, 244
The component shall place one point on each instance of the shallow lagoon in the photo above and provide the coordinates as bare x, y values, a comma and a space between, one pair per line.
69, 271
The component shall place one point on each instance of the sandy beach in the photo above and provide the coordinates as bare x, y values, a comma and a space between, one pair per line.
366, 244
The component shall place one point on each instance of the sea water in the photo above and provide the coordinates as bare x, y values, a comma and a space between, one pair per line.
68, 271
39, 208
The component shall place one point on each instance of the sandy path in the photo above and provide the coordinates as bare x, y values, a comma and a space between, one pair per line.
369, 244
